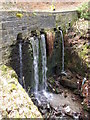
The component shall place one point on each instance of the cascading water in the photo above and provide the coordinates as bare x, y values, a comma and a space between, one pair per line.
41, 95
62, 50
21, 64
35, 47
63, 71
44, 62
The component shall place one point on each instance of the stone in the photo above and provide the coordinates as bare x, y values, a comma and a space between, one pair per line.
50, 42
69, 83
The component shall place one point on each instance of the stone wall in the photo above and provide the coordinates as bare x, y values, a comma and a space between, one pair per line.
12, 24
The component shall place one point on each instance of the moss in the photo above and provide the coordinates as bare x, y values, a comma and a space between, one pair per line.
7, 90
34, 13
85, 107
3, 68
13, 75
13, 87
19, 15
83, 52
83, 11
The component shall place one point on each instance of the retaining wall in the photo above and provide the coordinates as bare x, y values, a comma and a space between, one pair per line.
11, 25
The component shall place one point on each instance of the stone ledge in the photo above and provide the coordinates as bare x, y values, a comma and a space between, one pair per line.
14, 101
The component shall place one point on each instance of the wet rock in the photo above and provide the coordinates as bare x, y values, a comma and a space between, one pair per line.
65, 94
57, 83
43, 111
73, 98
58, 113
50, 37
76, 116
48, 107
78, 77
69, 83
67, 109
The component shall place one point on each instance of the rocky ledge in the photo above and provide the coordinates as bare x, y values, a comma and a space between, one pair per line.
14, 101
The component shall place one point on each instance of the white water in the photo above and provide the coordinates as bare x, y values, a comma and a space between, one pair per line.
35, 47
44, 61
21, 64
62, 50
41, 95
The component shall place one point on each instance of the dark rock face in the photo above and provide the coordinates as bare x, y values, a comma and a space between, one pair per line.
54, 60
28, 64
53, 44
50, 38
27, 61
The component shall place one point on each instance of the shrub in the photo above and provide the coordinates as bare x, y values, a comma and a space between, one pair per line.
84, 11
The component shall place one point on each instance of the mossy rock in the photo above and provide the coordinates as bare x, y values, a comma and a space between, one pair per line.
11, 84
13, 87
5, 70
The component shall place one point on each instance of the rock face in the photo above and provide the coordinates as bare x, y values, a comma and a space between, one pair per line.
77, 54
27, 61
14, 101
54, 60
77, 48
50, 38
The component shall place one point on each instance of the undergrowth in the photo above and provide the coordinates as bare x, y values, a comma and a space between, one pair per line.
84, 11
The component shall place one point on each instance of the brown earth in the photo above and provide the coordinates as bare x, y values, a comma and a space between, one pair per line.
43, 6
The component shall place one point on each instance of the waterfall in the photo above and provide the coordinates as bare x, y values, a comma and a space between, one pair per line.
35, 47
44, 61
21, 64
62, 50
63, 71
41, 95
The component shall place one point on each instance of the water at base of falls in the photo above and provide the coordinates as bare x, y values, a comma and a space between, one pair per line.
43, 96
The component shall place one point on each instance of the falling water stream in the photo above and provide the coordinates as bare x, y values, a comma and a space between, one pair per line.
62, 50
42, 94
35, 47
21, 64
44, 62
63, 69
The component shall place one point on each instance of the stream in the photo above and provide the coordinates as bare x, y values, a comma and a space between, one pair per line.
64, 106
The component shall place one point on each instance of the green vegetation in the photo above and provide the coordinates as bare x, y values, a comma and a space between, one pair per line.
19, 15
84, 11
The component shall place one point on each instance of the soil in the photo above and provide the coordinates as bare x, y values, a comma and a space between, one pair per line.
43, 6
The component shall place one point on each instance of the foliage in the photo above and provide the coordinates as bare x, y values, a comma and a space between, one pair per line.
52, 7
34, 13
19, 15
84, 11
